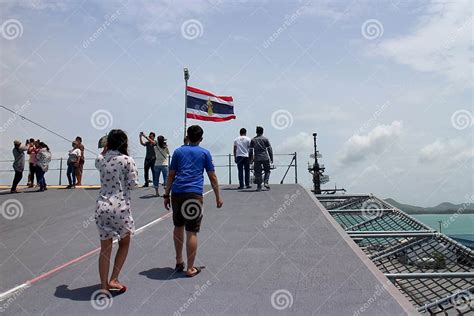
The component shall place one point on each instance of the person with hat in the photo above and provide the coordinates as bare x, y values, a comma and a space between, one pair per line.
18, 163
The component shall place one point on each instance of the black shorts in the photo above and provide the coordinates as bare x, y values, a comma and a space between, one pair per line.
187, 210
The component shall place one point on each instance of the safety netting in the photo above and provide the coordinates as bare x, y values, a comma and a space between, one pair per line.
432, 270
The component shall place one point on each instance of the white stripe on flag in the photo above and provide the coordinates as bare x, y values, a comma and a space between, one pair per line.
206, 97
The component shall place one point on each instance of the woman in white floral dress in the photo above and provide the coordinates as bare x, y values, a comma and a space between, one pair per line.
118, 176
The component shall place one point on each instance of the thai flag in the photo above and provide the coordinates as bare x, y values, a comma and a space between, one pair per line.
205, 106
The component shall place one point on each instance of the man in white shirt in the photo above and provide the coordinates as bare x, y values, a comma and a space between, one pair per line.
241, 158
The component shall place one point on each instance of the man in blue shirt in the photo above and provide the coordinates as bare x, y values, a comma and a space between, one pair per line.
186, 183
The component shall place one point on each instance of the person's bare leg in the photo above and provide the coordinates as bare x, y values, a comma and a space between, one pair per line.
122, 252
191, 248
178, 237
104, 262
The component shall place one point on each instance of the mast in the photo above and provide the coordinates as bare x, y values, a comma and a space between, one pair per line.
186, 78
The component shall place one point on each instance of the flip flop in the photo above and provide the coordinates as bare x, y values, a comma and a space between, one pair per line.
198, 270
115, 290
179, 267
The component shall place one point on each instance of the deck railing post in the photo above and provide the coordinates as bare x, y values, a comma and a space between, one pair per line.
296, 168
230, 168
60, 170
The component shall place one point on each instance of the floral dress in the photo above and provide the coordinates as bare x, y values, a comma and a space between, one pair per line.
118, 176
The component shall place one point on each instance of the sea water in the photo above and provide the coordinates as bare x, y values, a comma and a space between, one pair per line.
453, 225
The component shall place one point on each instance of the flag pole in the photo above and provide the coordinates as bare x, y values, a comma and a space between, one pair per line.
186, 78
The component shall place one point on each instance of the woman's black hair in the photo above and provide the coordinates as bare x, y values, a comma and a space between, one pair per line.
161, 142
118, 140
43, 145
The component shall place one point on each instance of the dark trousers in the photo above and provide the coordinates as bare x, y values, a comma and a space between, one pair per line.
243, 164
149, 164
71, 174
40, 178
31, 175
16, 179
258, 167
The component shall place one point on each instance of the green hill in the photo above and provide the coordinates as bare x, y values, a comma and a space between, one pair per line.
443, 208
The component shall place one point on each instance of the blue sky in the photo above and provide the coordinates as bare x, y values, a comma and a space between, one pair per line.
386, 84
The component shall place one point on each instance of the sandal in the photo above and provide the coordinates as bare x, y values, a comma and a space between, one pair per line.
115, 290
179, 267
198, 270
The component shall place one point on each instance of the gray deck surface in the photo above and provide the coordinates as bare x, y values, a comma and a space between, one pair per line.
246, 261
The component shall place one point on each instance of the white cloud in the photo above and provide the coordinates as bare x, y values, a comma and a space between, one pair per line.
301, 142
446, 151
440, 43
324, 114
376, 141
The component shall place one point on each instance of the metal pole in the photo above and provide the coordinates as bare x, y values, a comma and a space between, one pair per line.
186, 78
230, 169
60, 170
296, 168
430, 275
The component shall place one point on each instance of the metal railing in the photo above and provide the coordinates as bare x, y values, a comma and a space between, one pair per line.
58, 167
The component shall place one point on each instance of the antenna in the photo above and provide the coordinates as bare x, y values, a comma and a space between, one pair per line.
317, 170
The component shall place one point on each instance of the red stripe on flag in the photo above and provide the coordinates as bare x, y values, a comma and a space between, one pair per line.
210, 118
196, 90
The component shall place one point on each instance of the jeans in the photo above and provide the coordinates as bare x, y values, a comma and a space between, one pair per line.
40, 178
71, 174
16, 179
156, 175
149, 163
243, 164
258, 166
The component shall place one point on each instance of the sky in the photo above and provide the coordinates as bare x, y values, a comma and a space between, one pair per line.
387, 85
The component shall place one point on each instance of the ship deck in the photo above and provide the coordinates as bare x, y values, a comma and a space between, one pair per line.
267, 252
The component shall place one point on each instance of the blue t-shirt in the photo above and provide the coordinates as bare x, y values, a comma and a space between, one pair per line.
189, 162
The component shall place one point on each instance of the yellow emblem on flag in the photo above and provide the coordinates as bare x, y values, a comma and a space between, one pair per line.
209, 107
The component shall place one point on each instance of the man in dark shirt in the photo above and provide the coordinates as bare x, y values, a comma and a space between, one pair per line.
150, 154
261, 154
